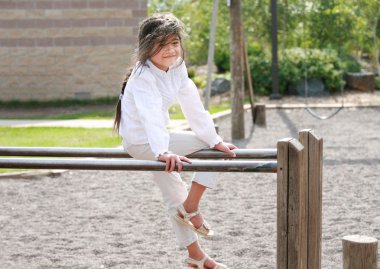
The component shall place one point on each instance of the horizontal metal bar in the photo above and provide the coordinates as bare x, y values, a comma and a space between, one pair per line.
137, 165
120, 153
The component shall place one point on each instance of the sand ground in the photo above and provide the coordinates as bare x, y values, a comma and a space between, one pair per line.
103, 219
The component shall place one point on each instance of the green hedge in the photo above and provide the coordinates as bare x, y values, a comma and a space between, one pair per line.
294, 63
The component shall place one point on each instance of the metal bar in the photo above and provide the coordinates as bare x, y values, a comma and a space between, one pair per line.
137, 165
120, 153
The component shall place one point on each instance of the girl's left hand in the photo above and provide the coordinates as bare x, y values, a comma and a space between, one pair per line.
226, 148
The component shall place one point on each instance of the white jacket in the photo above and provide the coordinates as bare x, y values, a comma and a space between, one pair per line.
144, 107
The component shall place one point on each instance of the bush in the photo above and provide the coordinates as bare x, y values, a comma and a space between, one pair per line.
350, 64
377, 83
222, 60
321, 64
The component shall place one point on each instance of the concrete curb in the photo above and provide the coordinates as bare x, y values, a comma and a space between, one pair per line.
31, 174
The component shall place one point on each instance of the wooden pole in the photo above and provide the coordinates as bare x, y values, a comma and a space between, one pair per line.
275, 85
237, 81
282, 202
210, 58
313, 190
248, 80
359, 252
297, 221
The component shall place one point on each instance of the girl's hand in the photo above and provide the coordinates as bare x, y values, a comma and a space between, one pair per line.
171, 160
226, 147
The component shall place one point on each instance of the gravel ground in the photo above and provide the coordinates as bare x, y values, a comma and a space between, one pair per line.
90, 219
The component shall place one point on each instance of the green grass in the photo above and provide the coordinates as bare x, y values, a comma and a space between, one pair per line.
57, 137
89, 115
14, 104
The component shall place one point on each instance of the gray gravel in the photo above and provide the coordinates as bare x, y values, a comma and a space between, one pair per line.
89, 219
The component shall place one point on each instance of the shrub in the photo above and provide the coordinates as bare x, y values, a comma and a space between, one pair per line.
293, 66
377, 83
222, 60
319, 64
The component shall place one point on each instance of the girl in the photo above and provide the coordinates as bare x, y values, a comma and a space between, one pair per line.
157, 80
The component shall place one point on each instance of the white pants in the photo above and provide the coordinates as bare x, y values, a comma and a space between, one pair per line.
173, 189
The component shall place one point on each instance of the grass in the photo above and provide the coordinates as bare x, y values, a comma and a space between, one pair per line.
88, 115
57, 137
15, 104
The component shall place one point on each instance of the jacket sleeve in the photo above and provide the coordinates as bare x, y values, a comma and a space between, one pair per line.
199, 119
148, 102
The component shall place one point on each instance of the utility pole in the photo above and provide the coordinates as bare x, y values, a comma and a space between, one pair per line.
237, 76
275, 84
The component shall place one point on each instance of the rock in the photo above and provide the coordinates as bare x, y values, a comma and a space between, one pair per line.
363, 81
315, 87
220, 86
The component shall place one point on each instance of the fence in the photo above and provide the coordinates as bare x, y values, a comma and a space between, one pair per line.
298, 164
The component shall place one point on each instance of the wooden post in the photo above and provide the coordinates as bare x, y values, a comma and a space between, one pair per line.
237, 89
359, 252
259, 115
313, 172
210, 57
297, 221
291, 205
248, 80
282, 202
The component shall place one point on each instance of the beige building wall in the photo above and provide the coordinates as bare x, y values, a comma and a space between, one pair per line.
59, 49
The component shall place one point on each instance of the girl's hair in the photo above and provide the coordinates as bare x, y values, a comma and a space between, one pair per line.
155, 29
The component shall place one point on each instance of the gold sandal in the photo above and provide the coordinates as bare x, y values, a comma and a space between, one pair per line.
204, 230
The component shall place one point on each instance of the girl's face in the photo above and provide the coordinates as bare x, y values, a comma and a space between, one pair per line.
168, 54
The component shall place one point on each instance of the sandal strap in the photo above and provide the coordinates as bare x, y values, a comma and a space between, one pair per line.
199, 263
187, 215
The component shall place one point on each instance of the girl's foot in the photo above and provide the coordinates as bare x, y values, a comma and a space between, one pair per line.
194, 221
205, 263
197, 220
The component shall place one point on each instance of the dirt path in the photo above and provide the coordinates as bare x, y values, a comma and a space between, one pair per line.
89, 219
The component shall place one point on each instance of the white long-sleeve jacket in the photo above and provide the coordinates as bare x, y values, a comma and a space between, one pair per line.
148, 94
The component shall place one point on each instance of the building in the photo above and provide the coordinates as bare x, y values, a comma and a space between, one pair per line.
65, 49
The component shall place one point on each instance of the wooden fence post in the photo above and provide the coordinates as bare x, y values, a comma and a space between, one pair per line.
297, 222
313, 163
291, 204
282, 202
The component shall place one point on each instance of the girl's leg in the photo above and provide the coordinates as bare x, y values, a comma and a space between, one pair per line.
183, 143
174, 193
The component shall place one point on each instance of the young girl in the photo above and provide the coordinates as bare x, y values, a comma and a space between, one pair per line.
158, 79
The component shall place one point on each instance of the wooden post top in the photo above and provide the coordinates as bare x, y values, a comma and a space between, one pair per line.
360, 239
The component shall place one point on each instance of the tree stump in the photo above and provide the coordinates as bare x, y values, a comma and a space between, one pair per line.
359, 252
260, 118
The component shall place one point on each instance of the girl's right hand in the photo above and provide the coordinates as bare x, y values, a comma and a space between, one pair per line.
171, 160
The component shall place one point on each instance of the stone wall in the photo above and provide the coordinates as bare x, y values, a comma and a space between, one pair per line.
58, 49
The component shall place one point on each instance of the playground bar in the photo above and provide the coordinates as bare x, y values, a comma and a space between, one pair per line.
138, 165
120, 153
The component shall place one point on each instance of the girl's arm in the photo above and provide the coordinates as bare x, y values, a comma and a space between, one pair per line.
148, 102
199, 119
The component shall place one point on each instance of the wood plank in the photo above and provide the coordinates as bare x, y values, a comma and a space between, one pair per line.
282, 203
296, 201
303, 137
315, 200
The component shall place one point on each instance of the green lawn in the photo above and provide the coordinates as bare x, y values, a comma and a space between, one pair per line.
174, 112
57, 137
